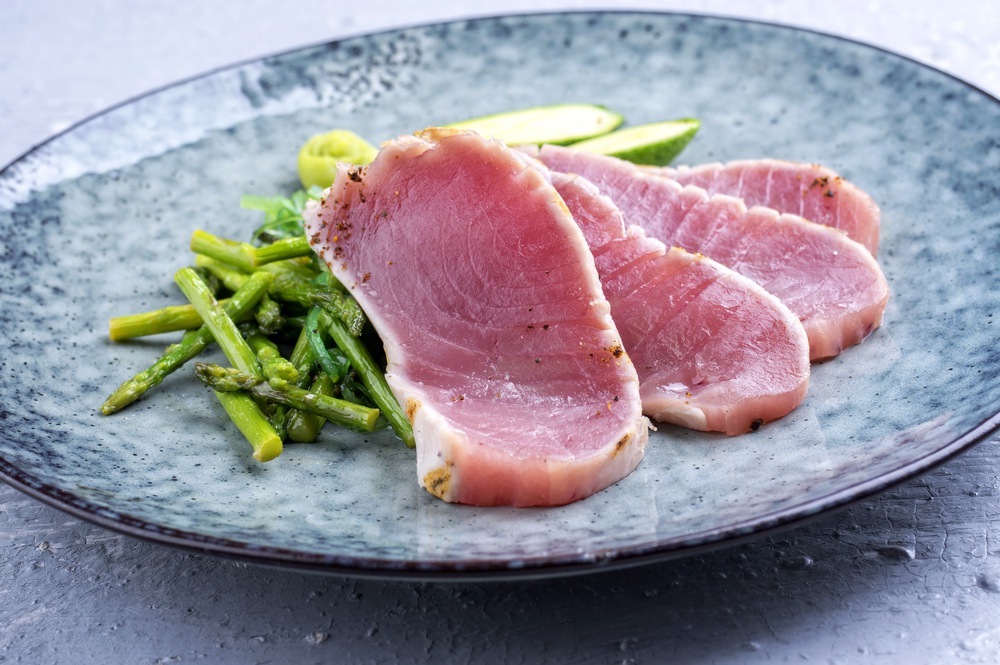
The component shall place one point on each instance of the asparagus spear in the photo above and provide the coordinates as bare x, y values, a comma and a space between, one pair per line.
244, 255
373, 379
184, 317
302, 357
304, 269
231, 277
268, 315
272, 363
316, 324
226, 335
279, 250
192, 343
290, 286
165, 319
252, 423
233, 252
342, 306
242, 410
302, 426
279, 391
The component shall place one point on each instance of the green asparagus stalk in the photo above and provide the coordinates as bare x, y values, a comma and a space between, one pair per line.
272, 363
214, 284
302, 357
279, 250
304, 427
373, 379
244, 255
192, 343
252, 423
226, 335
316, 325
244, 412
165, 319
290, 286
185, 317
334, 301
304, 269
233, 252
231, 277
268, 315
279, 391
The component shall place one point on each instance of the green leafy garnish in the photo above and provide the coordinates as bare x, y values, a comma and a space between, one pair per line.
282, 214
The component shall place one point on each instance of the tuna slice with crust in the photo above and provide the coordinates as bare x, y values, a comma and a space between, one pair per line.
832, 283
499, 340
714, 351
807, 190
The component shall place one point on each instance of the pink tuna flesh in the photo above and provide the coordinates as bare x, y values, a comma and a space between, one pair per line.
499, 340
807, 190
714, 351
830, 282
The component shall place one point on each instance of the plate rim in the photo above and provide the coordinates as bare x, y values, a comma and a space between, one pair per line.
606, 559
491, 569
417, 25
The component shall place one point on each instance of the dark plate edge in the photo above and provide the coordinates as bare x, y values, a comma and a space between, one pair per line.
491, 570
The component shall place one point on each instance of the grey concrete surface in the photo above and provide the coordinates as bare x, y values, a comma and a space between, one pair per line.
912, 576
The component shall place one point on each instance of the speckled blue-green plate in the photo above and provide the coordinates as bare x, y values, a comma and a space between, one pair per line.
94, 223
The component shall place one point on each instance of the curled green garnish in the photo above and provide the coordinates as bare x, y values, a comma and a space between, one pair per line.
319, 156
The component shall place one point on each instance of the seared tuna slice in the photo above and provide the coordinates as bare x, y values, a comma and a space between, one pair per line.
829, 281
714, 351
807, 190
499, 340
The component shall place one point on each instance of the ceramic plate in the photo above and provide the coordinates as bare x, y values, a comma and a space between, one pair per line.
95, 222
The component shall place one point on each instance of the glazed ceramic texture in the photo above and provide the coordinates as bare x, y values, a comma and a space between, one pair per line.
96, 221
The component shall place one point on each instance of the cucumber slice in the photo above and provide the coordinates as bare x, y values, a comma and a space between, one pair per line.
559, 124
655, 144
319, 155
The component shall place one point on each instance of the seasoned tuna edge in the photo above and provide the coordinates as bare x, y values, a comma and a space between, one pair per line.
811, 191
499, 340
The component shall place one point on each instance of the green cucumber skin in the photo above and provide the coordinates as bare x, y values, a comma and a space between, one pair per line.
659, 150
559, 124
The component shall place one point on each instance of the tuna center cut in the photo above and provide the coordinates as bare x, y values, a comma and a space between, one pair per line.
499, 340
830, 282
714, 351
